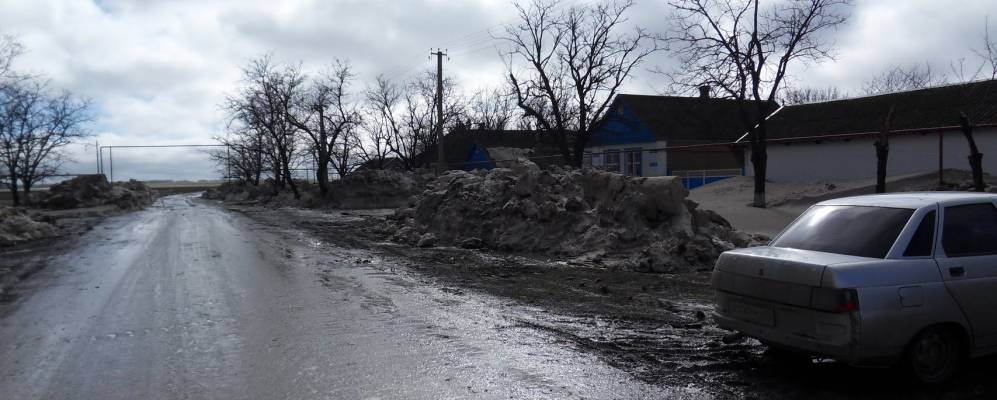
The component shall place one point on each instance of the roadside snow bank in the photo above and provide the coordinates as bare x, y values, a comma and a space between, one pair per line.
18, 225
359, 190
643, 224
95, 190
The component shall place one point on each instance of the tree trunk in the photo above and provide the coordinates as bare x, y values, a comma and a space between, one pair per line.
975, 157
759, 159
294, 186
882, 155
290, 179
322, 176
14, 195
579, 156
882, 145
26, 189
561, 139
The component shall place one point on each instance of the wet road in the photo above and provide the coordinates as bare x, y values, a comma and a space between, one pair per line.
185, 300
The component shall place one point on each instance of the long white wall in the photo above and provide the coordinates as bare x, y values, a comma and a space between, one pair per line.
855, 159
653, 163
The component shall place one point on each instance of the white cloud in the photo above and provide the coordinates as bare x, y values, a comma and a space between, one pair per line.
158, 70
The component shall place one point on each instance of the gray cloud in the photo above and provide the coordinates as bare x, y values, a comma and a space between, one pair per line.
158, 70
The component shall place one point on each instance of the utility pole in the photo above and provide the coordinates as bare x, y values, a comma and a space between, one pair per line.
441, 159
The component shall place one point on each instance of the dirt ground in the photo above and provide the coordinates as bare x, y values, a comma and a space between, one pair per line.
655, 327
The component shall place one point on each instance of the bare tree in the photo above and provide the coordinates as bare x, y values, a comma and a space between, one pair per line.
745, 50
373, 150
327, 116
806, 95
347, 153
240, 159
975, 157
898, 79
988, 53
36, 125
564, 67
491, 110
10, 49
262, 106
405, 118
63, 118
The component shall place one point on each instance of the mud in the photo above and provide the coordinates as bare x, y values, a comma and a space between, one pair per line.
655, 327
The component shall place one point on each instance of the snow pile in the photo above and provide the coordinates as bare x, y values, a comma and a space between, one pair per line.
17, 225
643, 224
361, 189
95, 190
376, 188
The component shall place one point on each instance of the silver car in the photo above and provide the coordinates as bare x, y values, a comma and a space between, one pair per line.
876, 280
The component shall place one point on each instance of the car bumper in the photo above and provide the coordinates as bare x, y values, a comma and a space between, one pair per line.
831, 335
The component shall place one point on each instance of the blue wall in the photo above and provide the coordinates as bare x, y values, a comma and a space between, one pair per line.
477, 158
697, 181
621, 127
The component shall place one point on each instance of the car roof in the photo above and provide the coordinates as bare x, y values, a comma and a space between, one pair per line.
912, 200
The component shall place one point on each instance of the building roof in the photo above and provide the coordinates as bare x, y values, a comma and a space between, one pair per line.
936, 107
681, 119
907, 200
458, 144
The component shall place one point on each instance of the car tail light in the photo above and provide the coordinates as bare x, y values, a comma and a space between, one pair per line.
834, 300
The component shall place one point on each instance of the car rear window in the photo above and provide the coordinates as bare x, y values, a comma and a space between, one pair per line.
852, 230
923, 239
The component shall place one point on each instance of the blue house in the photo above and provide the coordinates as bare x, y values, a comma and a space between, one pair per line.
669, 135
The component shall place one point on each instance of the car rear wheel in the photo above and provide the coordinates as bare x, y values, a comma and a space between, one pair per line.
935, 355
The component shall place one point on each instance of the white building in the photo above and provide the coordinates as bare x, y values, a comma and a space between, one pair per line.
834, 140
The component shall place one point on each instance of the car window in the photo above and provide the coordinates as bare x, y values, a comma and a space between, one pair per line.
970, 230
852, 230
923, 239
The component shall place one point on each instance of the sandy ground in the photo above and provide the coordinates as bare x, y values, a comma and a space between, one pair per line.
732, 197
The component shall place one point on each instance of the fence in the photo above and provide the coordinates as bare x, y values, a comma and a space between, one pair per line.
695, 178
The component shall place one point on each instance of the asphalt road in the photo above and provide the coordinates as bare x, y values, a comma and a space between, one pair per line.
185, 300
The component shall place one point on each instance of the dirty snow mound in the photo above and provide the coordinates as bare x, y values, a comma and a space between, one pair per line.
361, 189
17, 225
95, 190
644, 224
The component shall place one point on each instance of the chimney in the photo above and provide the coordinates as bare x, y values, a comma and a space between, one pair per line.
704, 92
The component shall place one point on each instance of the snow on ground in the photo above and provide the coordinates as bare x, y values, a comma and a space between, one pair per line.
731, 198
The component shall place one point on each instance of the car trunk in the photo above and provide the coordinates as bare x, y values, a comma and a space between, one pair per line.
776, 274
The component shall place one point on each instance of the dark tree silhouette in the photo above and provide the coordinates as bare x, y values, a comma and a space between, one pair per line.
564, 67
745, 50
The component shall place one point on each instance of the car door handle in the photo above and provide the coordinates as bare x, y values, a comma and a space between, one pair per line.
956, 272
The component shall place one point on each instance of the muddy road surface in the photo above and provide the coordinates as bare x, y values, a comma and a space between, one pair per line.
189, 299
186, 300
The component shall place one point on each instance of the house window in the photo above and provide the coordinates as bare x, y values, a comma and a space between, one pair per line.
611, 160
634, 162
587, 159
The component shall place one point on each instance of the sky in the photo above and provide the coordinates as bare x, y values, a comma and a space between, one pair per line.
157, 70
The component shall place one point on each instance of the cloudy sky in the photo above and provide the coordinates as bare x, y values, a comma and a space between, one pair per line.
157, 70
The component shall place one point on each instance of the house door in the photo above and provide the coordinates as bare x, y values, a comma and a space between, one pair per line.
969, 265
634, 162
